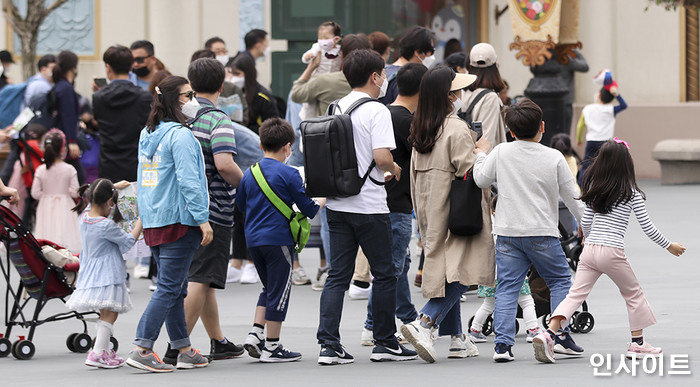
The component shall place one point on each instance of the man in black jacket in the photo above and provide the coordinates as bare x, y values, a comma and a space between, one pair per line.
121, 110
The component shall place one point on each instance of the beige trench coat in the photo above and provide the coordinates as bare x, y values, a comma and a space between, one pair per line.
449, 258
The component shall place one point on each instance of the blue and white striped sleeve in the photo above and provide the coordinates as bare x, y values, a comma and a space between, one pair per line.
640, 211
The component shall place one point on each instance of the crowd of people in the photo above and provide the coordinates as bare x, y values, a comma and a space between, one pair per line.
212, 158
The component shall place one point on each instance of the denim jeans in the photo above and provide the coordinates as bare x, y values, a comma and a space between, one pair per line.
514, 255
168, 301
401, 229
372, 232
446, 311
325, 236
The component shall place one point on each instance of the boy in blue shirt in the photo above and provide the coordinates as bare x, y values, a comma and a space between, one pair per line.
269, 238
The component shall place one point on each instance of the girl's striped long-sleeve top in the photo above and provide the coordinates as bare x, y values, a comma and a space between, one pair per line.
610, 229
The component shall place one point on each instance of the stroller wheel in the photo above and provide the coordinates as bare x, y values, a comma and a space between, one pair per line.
584, 322
82, 342
69, 342
544, 320
572, 323
113, 344
488, 326
5, 347
23, 349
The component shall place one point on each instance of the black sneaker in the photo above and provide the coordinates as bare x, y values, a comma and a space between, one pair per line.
334, 354
171, 356
224, 351
386, 353
503, 353
566, 346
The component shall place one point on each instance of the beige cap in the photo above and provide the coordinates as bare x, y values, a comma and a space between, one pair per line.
482, 55
461, 81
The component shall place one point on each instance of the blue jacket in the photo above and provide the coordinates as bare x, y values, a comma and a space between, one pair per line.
172, 186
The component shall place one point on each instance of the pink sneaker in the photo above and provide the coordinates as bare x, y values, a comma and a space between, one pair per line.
103, 360
532, 333
544, 347
642, 350
113, 355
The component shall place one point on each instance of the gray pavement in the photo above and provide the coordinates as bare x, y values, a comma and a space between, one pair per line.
671, 285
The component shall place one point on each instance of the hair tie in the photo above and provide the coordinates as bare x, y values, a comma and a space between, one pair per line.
158, 91
617, 140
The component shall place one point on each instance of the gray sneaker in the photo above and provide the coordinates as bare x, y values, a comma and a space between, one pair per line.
191, 359
147, 361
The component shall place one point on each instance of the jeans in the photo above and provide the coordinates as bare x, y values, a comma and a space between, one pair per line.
401, 230
514, 255
445, 312
168, 301
325, 236
372, 232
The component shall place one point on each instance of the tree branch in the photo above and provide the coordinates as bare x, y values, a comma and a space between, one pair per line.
56, 4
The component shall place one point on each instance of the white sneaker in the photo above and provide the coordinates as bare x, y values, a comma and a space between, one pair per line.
141, 271
367, 338
233, 274
422, 340
250, 274
357, 293
462, 346
321, 280
299, 277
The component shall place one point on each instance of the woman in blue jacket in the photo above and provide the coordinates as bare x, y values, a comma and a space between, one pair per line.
173, 204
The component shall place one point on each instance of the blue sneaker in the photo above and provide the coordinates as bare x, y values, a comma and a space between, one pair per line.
278, 355
566, 346
254, 344
503, 353
334, 354
386, 353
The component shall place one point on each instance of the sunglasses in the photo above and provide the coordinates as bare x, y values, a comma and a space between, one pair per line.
141, 59
189, 94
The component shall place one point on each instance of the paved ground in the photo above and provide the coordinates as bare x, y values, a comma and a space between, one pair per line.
671, 285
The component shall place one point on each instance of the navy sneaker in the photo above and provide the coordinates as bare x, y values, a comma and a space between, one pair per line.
254, 344
387, 353
278, 355
566, 346
334, 354
503, 353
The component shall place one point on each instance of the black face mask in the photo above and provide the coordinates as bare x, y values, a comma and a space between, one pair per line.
141, 71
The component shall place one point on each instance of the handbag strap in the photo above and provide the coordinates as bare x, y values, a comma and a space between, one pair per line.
270, 194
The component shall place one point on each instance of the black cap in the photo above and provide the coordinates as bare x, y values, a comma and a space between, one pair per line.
5, 57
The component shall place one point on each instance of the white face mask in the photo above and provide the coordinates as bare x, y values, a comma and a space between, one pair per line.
326, 44
238, 81
383, 87
457, 103
428, 61
190, 108
223, 59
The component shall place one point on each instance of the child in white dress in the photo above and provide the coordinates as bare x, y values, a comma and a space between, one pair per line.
102, 277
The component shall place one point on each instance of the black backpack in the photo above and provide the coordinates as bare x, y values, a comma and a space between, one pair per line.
330, 162
467, 115
45, 108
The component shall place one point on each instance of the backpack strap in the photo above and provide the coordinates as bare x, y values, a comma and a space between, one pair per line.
467, 115
204, 111
270, 194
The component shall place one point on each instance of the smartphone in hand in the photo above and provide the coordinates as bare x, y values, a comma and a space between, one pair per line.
101, 82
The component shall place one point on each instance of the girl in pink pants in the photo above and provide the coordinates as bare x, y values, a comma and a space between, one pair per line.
611, 194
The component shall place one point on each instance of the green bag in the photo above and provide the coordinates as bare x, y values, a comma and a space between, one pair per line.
299, 224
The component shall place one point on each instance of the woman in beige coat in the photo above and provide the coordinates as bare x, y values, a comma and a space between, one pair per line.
442, 151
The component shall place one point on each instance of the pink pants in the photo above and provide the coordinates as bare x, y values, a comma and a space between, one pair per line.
596, 260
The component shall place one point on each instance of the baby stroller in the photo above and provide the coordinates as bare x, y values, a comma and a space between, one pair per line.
42, 281
582, 321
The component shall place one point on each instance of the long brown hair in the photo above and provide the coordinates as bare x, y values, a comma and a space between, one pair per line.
166, 104
246, 64
433, 107
53, 146
610, 180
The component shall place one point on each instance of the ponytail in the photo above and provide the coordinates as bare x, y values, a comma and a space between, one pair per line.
53, 147
82, 200
98, 193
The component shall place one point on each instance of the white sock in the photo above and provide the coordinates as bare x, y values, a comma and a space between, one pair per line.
260, 332
104, 332
271, 345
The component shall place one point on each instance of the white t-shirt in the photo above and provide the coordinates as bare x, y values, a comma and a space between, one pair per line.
372, 129
600, 121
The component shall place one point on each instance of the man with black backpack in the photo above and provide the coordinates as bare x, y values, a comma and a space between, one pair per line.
214, 131
363, 219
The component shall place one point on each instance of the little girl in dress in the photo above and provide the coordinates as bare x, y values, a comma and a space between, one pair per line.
102, 277
55, 185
